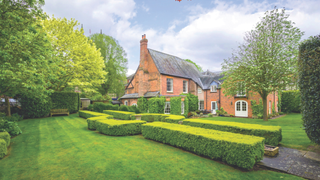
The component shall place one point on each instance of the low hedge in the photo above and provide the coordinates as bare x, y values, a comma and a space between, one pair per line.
151, 117
119, 128
6, 137
3, 148
92, 121
88, 114
174, 119
235, 149
124, 115
272, 134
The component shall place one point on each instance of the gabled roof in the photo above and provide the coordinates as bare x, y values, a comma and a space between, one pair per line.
175, 66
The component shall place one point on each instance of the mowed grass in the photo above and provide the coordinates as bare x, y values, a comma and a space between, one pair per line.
293, 134
62, 147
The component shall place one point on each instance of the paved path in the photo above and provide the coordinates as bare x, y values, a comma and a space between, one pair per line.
301, 163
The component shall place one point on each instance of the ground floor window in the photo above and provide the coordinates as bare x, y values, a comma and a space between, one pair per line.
201, 105
167, 108
134, 104
126, 103
182, 107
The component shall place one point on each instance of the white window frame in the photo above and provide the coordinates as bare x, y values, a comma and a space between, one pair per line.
165, 107
182, 107
200, 105
171, 84
134, 104
213, 88
126, 102
186, 86
199, 90
243, 89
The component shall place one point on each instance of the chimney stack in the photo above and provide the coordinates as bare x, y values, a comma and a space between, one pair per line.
143, 67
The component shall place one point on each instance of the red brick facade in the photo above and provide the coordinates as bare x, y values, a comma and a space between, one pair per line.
148, 79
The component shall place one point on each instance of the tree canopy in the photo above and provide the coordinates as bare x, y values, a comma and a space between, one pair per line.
115, 60
197, 66
266, 61
77, 61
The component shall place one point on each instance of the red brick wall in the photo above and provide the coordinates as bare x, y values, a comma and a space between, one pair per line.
177, 85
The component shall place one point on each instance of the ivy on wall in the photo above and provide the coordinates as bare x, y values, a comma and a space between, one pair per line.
156, 105
257, 109
175, 104
142, 104
193, 102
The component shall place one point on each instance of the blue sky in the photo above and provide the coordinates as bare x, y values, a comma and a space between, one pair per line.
204, 31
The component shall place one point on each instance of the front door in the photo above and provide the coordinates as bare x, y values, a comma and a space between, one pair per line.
213, 107
241, 109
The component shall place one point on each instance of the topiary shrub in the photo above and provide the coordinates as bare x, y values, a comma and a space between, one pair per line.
124, 108
175, 104
309, 77
90, 107
6, 137
142, 104
3, 148
66, 100
257, 108
192, 102
156, 105
32, 107
290, 101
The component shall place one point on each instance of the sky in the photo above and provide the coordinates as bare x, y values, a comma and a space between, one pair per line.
204, 31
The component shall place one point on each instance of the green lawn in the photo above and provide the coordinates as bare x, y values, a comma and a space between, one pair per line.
62, 147
293, 135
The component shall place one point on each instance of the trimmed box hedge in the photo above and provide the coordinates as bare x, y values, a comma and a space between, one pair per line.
92, 121
88, 114
3, 148
151, 117
272, 134
119, 128
6, 137
235, 149
124, 115
174, 119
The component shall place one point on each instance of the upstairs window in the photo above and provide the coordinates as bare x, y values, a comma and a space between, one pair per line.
169, 85
185, 86
213, 88
167, 108
199, 90
241, 89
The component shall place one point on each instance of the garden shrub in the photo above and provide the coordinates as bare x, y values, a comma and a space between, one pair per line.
8, 124
92, 121
151, 117
66, 100
257, 109
119, 128
6, 137
174, 119
309, 73
156, 104
124, 115
290, 101
192, 102
3, 148
142, 104
235, 149
186, 107
88, 114
124, 108
175, 104
90, 107
32, 107
272, 134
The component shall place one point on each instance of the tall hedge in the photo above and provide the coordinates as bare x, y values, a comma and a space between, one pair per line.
175, 105
309, 84
186, 107
290, 101
66, 100
142, 104
156, 105
193, 102
33, 107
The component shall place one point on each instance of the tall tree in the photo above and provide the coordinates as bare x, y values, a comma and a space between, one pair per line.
24, 50
77, 60
266, 61
115, 63
197, 66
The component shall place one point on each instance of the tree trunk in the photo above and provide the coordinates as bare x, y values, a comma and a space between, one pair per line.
265, 108
8, 110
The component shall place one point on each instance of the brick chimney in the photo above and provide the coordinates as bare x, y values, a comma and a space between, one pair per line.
143, 67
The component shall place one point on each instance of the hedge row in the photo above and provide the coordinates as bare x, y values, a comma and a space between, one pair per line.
88, 114
92, 121
124, 115
149, 117
99, 107
4, 143
235, 149
119, 128
272, 134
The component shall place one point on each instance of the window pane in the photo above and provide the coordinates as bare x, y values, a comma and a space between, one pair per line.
167, 108
244, 106
169, 84
182, 107
185, 86
201, 105
238, 106
213, 105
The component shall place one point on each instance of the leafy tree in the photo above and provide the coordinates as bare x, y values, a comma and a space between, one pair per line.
266, 61
77, 60
197, 66
115, 60
24, 50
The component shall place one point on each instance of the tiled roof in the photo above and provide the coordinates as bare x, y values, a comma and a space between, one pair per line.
136, 95
151, 94
175, 66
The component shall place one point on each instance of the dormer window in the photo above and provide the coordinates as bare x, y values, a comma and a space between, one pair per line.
199, 90
213, 88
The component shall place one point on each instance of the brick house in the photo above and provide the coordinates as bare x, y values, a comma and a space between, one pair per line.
160, 74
